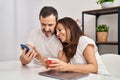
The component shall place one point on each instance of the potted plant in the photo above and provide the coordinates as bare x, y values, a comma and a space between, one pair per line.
102, 32
105, 3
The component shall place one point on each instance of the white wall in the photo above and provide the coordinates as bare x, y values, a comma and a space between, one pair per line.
19, 17
7, 29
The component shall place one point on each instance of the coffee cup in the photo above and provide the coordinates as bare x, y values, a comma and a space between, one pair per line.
49, 61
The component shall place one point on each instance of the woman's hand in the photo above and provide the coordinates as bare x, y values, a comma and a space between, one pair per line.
59, 65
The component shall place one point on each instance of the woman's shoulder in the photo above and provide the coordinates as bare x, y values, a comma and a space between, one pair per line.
85, 38
84, 41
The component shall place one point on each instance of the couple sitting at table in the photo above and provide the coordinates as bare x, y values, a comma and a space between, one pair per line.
79, 52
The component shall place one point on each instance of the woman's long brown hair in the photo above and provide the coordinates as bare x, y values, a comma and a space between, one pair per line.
75, 32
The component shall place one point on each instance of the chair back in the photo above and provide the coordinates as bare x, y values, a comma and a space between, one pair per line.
112, 63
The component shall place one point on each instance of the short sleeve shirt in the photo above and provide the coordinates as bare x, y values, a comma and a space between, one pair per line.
79, 57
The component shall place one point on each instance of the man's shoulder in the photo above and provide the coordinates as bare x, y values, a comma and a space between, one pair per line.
35, 31
55, 38
58, 42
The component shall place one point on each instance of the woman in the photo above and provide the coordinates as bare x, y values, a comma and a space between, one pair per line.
81, 52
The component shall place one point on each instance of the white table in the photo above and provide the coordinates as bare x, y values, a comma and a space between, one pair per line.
13, 70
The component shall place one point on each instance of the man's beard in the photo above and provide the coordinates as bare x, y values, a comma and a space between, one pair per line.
48, 33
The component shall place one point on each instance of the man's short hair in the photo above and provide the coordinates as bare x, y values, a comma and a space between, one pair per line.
47, 11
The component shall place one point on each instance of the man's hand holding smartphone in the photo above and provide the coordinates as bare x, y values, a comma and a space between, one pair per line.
28, 54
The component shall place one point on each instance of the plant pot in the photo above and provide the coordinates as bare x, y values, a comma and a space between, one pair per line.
102, 36
106, 4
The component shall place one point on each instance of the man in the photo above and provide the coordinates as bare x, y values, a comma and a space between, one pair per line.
43, 42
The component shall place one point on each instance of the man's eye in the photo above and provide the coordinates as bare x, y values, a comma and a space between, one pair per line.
50, 24
43, 24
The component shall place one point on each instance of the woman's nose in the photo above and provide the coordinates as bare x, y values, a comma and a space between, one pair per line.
57, 33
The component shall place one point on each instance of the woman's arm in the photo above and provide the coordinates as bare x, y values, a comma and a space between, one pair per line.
61, 56
90, 67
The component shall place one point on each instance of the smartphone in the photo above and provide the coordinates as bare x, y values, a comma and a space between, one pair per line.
25, 46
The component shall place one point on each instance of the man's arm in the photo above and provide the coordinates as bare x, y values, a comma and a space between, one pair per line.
40, 57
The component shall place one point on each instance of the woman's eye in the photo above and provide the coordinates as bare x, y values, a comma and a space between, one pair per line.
60, 29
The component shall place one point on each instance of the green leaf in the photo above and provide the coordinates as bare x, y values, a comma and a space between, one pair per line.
102, 28
101, 1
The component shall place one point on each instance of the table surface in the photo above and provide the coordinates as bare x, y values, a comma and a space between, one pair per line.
13, 70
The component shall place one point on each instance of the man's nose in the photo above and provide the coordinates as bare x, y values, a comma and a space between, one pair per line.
46, 28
